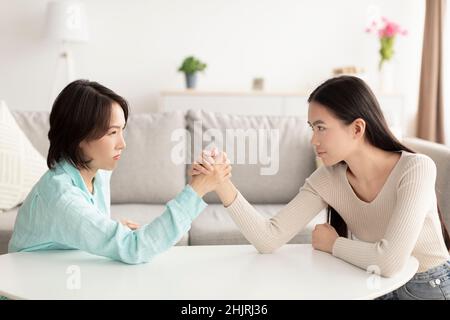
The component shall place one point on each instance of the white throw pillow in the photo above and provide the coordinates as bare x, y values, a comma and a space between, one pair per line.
21, 165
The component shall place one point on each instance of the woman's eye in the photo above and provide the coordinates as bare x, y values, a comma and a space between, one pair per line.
321, 128
111, 133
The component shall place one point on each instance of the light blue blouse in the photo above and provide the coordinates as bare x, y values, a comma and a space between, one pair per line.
60, 213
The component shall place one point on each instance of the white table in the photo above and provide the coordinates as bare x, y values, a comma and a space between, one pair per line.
194, 272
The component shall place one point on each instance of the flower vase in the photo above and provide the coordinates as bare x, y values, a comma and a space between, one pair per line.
386, 77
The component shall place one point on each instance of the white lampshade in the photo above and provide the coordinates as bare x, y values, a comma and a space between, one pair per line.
67, 21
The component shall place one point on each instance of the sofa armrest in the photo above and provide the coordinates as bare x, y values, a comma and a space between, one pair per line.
441, 156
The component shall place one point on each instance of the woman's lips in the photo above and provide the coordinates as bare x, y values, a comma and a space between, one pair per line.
319, 154
116, 157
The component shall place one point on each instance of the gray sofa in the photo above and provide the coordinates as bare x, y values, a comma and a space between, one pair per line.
148, 176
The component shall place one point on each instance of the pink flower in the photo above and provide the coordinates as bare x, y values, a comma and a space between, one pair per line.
388, 29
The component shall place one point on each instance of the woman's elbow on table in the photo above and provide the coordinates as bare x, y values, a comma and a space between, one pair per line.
135, 260
133, 257
266, 248
132, 250
389, 265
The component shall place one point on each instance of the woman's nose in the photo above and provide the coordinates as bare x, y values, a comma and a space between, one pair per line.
122, 144
314, 141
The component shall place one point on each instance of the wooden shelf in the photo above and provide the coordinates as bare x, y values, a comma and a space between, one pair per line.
232, 93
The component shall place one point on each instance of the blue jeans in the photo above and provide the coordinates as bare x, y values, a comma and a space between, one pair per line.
433, 284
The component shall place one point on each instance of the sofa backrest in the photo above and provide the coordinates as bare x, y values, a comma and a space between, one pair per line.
441, 156
146, 173
296, 158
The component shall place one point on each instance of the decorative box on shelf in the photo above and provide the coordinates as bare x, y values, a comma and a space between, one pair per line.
266, 103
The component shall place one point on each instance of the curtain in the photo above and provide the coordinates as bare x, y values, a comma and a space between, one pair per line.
431, 95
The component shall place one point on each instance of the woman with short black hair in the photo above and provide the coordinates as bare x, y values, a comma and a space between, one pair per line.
69, 207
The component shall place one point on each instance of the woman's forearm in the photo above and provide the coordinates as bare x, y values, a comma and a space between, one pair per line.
227, 192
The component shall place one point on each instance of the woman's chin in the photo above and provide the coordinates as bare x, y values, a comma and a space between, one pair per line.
110, 166
329, 162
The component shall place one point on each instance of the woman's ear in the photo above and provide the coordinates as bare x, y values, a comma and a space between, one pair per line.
83, 145
84, 149
359, 127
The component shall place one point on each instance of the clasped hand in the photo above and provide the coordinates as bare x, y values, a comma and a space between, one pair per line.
211, 169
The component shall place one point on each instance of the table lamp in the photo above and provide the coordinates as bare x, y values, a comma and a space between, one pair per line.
67, 23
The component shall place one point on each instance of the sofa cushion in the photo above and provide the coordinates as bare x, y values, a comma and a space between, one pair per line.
441, 157
147, 172
214, 226
296, 158
141, 214
7, 220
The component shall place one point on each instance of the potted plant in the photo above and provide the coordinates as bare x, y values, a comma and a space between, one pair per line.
190, 67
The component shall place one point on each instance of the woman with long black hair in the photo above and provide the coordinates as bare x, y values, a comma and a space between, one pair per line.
371, 184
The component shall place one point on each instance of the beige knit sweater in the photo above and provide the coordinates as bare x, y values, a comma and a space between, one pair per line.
401, 221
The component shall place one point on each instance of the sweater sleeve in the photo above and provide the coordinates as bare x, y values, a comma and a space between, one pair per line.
415, 198
269, 234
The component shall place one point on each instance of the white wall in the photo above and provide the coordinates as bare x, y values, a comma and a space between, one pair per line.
136, 46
